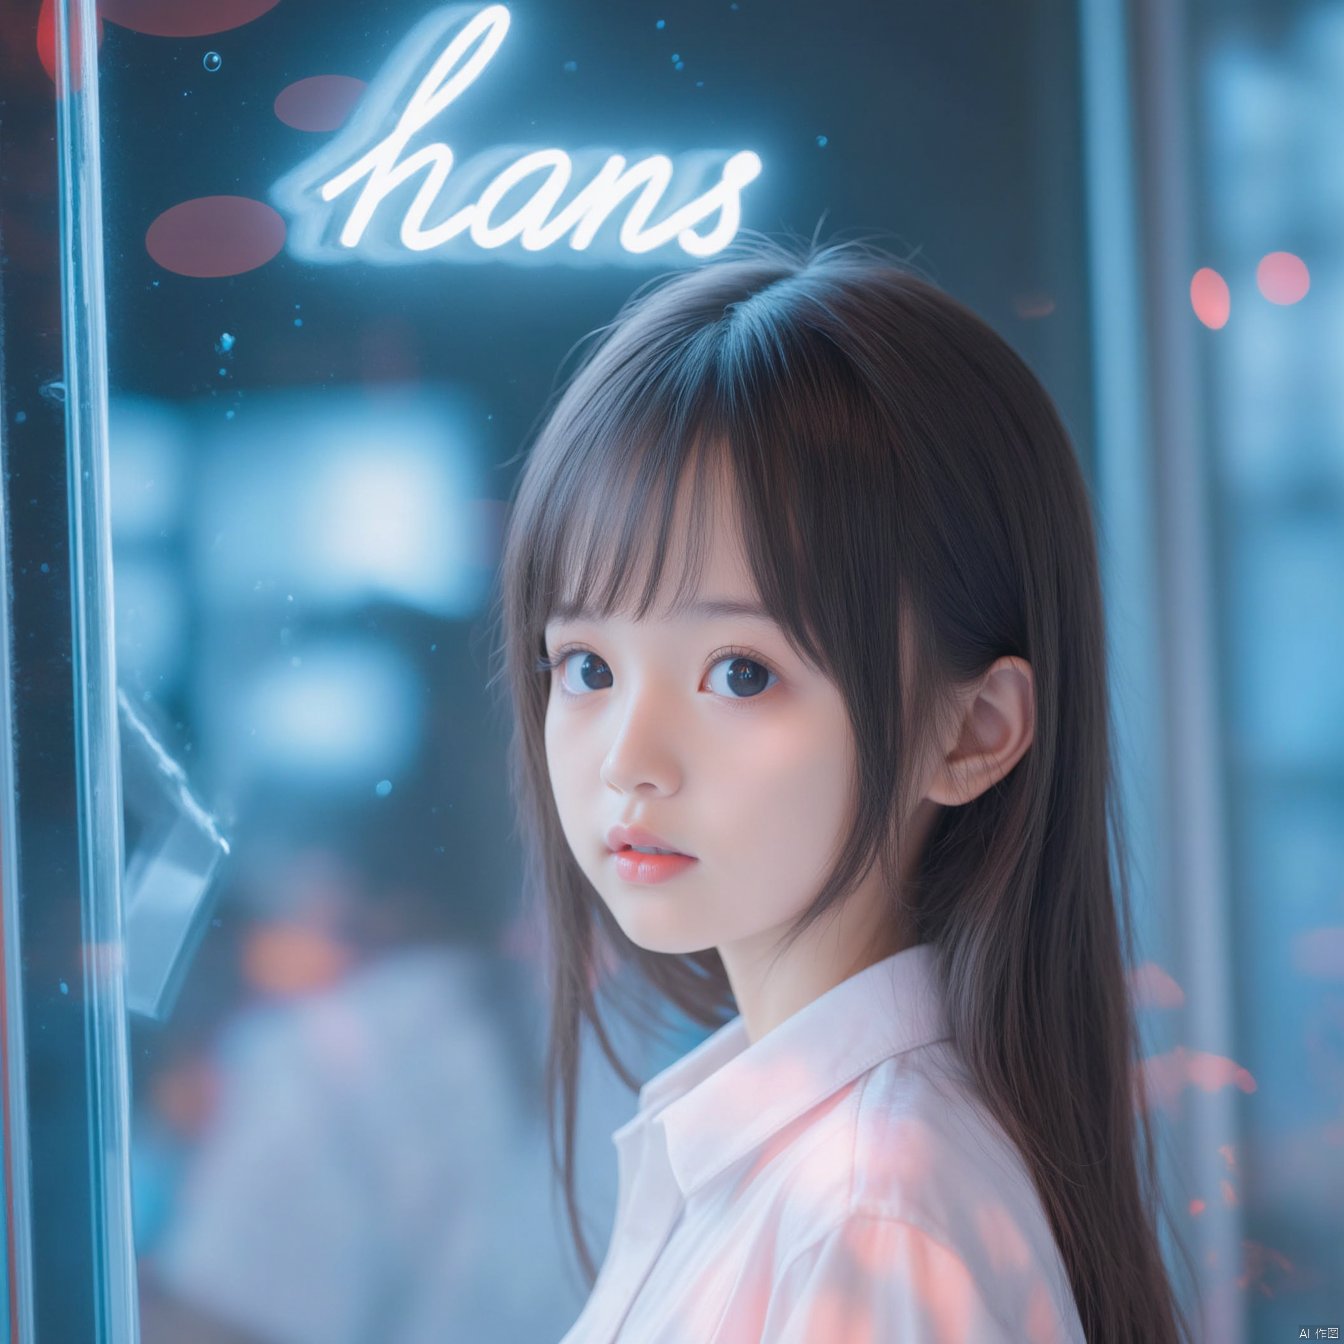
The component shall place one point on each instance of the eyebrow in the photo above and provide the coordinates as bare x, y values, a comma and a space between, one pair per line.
706, 606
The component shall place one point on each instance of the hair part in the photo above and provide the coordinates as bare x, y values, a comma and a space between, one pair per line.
911, 510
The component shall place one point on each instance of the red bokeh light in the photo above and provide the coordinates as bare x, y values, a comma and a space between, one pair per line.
214, 236
1165, 1076
319, 103
1210, 298
1152, 987
1282, 277
46, 41
183, 18
289, 959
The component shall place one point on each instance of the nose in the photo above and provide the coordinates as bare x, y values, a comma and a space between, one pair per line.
642, 754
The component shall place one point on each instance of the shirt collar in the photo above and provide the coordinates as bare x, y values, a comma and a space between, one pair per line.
727, 1097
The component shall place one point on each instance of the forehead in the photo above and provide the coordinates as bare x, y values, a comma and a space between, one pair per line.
702, 567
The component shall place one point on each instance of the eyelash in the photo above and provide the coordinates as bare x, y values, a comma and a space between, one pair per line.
557, 660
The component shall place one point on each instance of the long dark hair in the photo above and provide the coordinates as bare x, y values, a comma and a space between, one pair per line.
901, 472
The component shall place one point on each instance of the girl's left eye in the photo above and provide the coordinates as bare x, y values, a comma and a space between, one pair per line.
744, 675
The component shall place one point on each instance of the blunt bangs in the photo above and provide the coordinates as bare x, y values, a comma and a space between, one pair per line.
760, 402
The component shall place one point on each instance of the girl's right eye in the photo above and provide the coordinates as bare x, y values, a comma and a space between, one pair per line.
591, 671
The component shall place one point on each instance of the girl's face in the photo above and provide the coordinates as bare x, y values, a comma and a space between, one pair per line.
708, 730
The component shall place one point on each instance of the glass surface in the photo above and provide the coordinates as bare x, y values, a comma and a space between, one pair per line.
69, 1265
337, 1025
334, 1002
1267, 90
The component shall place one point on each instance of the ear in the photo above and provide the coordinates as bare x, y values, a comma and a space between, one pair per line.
995, 731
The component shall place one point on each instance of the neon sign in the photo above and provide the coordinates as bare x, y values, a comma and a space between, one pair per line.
383, 191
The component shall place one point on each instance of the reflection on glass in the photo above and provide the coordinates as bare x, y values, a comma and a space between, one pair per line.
338, 1122
1271, 100
172, 851
338, 1130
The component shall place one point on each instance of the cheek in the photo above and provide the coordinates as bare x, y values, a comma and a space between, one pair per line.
787, 797
569, 769
559, 759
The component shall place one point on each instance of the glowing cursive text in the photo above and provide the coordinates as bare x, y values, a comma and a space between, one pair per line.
378, 193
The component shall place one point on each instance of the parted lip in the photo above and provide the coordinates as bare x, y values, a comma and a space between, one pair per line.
618, 837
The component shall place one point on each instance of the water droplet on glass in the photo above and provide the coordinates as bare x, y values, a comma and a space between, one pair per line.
226, 341
571, 67
662, 23
822, 141
53, 390
212, 60
298, 321
383, 788
65, 989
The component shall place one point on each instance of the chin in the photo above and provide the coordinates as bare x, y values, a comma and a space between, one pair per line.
652, 936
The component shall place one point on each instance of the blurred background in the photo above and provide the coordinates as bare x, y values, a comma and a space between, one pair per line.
334, 1001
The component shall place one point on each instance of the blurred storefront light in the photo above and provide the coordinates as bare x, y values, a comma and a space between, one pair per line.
344, 710
329, 497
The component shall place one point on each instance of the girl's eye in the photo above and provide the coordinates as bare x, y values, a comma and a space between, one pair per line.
744, 675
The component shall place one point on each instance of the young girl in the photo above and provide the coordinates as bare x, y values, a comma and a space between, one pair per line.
800, 589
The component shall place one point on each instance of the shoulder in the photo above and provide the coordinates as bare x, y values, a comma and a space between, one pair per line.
928, 1149
875, 1276
910, 1176
906, 1140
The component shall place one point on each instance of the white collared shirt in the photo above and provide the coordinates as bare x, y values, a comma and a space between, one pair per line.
836, 1180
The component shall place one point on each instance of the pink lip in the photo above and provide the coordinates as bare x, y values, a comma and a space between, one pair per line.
649, 869
619, 837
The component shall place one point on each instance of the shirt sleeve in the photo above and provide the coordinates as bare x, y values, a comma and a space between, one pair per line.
878, 1280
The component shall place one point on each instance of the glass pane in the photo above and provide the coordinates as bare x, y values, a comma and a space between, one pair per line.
1269, 97
69, 1272
317, 406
